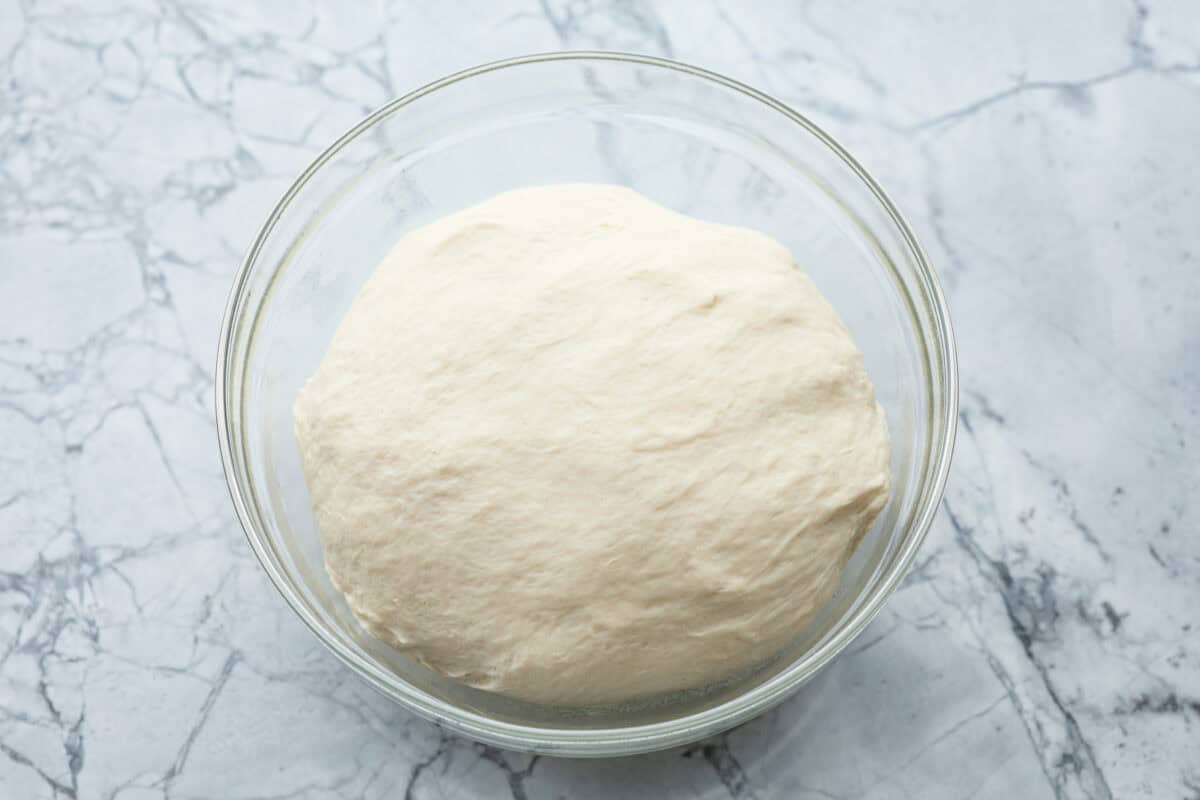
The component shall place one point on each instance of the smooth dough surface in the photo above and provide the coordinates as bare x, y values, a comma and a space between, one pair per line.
575, 448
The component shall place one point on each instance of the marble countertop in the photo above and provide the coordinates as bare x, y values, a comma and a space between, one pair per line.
1046, 643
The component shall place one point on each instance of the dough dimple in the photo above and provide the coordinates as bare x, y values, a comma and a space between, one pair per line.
575, 448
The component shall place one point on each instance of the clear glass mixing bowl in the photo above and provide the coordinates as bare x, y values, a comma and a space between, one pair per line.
689, 139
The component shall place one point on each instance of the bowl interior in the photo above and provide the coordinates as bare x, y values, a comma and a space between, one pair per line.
686, 140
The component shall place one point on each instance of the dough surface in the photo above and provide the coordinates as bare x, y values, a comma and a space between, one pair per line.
575, 448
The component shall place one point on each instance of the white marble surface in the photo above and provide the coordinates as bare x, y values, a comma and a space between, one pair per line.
1047, 643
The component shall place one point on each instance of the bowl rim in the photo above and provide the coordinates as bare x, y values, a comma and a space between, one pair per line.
656, 735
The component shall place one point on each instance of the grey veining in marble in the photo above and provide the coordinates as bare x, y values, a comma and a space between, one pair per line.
1045, 646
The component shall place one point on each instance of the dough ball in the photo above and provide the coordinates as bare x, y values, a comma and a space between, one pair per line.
575, 448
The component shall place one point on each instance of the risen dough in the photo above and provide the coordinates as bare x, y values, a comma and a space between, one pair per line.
575, 448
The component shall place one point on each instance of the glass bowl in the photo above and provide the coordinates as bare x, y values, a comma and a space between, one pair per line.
689, 139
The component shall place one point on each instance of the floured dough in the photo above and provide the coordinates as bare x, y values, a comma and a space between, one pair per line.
575, 448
